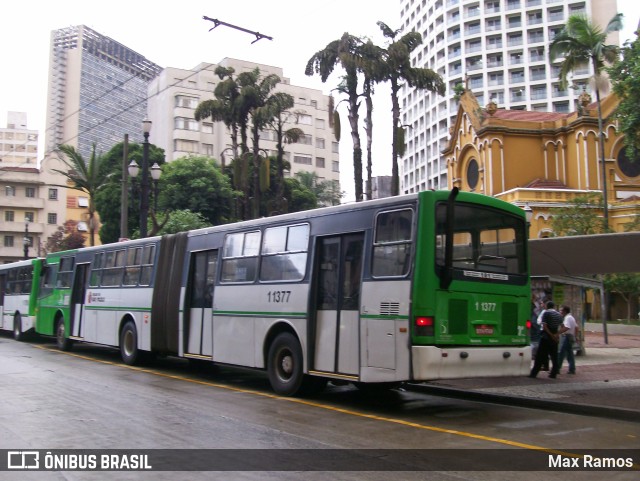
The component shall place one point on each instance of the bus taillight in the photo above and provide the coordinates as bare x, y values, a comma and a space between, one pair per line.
424, 326
528, 325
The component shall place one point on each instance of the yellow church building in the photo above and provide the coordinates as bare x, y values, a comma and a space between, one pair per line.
542, 159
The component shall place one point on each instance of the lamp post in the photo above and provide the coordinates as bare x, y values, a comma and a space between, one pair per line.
144, 184
25, 240
528, 213
156, 172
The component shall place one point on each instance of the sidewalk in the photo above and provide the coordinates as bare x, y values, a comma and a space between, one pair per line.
606, 383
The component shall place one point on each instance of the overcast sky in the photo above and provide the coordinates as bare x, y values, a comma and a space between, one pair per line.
174, 34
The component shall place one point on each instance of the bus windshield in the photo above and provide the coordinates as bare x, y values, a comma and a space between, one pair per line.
484, 241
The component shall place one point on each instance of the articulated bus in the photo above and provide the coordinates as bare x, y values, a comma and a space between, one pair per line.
413, 288
19, 283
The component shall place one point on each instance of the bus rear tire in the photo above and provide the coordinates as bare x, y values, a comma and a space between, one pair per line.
18, 335
62, 341
129, 344
284, 364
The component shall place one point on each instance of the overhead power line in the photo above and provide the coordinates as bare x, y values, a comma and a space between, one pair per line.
216, 22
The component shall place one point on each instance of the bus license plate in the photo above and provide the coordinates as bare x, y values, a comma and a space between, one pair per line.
484, 330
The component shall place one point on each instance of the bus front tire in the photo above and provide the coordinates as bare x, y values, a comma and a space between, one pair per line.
284, 364
62, 341
129, 344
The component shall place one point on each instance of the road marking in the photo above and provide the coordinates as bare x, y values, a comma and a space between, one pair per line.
326, 407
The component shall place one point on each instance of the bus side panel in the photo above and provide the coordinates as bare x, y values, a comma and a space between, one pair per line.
385, 331
244, 314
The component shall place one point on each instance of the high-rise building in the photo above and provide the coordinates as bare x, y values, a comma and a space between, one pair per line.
499, 49
175, 94
97, 90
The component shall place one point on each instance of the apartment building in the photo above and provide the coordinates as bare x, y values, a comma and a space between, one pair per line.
499, 49
174, 95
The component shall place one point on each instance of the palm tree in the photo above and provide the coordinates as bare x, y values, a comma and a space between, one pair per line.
346, 52
84, 177
282, 102
582, 42
261, 105
397, 68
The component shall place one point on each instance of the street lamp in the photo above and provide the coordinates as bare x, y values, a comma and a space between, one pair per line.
144, 184
528, 214
25, 240
156, 172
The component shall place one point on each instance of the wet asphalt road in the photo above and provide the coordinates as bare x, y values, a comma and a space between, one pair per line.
88, 399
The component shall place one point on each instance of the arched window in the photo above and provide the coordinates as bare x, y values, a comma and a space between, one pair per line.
472, 173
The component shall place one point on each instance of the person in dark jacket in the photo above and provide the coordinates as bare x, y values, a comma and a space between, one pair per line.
552, 327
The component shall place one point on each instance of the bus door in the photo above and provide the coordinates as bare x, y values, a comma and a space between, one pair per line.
198, 312
78, 299
337, 311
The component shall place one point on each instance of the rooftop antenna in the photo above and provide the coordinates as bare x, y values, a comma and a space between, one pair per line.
259, 36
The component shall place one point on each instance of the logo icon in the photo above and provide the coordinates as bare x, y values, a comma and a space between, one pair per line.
23, 460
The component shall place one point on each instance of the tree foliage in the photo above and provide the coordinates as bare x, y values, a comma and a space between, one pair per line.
625, 76
183, 220
579, 217
108, 197
65, 238
84, 177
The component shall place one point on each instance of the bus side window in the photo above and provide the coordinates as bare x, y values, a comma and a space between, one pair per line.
392, 244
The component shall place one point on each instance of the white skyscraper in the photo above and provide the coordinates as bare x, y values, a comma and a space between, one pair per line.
499, 49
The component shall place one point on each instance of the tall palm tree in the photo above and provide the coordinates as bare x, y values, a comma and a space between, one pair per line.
84, 176
397, 69
261, 105
582, 42
281, 104
344, 51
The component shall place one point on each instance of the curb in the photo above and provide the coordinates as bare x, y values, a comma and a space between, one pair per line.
592, 410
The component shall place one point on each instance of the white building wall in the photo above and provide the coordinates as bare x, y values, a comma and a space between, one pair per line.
500, 50
175, 130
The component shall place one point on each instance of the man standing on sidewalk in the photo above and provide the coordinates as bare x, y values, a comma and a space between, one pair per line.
568, 339
551, 329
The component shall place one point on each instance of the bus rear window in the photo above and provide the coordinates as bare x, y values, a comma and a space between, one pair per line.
483, 240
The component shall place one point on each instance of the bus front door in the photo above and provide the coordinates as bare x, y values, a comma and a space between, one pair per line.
78, 300
336, 329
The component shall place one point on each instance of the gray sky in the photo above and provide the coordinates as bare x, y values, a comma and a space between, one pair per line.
175, 35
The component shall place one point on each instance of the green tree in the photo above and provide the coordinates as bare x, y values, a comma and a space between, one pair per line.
624, 75
197, 184
627, 285
346, 52
396, 68
579, 217
84, 177
183, 220
327, 192
108, 197
300, 197
580, 43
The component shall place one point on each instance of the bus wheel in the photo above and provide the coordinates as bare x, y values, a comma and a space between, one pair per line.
129, 344
18, 335
62, 341
284, 364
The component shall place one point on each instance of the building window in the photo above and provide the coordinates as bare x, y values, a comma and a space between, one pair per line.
184, 123
302, 159
83, 202
628, 167
8, 241
52, 218
29, 216
10, 191
319, 143
207, 149
335, 166
305, 139
319, 123
320, 162
207, 128
186, 102
304, 119
9, 216
190, 146
53, 194
472, 174
30, 192
335, 147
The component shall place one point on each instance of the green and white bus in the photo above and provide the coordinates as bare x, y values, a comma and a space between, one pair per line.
18, 295
425, 286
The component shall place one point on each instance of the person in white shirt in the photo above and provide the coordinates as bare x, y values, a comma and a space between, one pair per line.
568, 339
